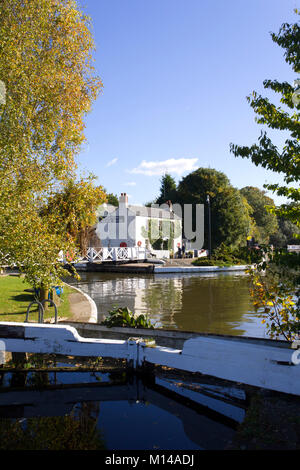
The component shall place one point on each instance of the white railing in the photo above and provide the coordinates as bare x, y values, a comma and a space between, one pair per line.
113, 254
110, 254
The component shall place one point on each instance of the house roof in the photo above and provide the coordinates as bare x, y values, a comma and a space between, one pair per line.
153, 212
105, 209
140, 211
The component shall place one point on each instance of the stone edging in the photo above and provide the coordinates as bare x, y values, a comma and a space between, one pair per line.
94, 311
199, 269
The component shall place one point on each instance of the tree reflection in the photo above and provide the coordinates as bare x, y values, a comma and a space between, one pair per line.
163, 299
77, 431
198, 303
215, 305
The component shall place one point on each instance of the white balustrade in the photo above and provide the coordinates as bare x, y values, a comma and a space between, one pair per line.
110, 254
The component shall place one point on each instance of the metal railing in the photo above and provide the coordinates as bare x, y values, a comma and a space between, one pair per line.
41, 310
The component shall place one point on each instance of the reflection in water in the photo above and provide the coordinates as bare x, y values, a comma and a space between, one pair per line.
125, 415
75, 431
212, 303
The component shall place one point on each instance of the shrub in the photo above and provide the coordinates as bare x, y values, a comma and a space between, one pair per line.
226, 256
210, 262
125, 318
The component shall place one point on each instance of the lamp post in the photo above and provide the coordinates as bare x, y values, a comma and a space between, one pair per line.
209, 225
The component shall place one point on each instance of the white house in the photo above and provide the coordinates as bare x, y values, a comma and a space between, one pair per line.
153, 228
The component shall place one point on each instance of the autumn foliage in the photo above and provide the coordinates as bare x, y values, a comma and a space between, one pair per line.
46, 67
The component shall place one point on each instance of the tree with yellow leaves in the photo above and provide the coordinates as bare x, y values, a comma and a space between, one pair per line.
72, 210
274, 294
46, 68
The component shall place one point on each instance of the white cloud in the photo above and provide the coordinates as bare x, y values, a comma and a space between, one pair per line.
112, 162
130, 183
173, 165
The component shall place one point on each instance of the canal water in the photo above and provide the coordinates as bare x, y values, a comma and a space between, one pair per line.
94, 410
213, 303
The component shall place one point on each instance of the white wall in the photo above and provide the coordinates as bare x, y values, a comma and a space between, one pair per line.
112, 234
141, 223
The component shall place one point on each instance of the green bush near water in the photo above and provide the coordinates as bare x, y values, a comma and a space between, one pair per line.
225, 256
123, 317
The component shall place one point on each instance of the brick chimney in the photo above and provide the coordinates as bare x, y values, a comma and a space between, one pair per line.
123, 200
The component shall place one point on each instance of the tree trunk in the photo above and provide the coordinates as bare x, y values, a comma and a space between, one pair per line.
44, 292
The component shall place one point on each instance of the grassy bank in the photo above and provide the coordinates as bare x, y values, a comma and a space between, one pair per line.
14, 301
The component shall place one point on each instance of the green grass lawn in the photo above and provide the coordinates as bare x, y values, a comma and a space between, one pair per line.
14, 301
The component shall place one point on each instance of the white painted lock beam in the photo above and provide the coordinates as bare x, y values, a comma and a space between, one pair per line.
250, 361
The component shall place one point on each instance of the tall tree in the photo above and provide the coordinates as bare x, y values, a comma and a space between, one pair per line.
72, 210
46, 66
265, 221
286, 234
275, 292
112, 199
168, 190
285, 118
231, 222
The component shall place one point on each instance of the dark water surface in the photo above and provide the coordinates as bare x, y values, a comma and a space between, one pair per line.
99, 413
212, 303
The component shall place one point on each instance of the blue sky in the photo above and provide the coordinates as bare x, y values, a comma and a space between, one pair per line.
176, 74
